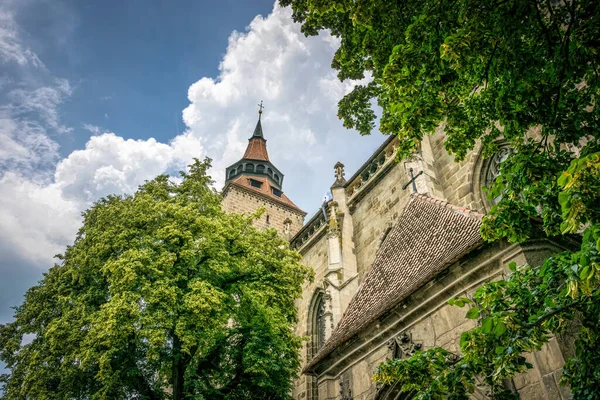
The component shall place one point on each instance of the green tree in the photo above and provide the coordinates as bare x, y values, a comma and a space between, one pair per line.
161, 296
523, 71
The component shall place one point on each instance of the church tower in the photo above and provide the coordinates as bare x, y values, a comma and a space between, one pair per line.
254, 182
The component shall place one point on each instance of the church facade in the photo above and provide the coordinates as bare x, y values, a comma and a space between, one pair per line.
393, 245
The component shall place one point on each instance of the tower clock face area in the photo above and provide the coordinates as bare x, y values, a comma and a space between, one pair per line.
254, 182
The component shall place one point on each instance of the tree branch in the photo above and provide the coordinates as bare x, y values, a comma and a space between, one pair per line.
551, 314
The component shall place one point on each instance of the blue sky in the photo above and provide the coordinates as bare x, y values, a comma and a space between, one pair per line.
131, 62
96, 97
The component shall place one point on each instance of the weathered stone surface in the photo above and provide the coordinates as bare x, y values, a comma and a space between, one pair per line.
450, 340
550, 387
564, 390
448, 318
549, 358
424, 333
533, 392
530, 377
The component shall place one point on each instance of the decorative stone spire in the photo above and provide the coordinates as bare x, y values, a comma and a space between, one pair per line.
340, 179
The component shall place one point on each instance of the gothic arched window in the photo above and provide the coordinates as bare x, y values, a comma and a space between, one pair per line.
317, 334
485, 172
492, 169
317, 323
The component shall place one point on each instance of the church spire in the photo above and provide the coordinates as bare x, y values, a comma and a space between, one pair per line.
257, 144
258, 130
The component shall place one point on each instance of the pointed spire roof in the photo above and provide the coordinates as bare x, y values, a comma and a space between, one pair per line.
257, 144
258, 133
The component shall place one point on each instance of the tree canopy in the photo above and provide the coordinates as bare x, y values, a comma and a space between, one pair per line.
524, 72
161, 296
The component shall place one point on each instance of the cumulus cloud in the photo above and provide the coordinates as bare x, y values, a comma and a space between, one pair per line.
270, 61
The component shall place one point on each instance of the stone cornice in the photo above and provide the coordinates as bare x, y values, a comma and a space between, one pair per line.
371, 172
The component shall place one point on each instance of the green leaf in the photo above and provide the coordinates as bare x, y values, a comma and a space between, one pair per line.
500, 328
500, 350
463, 339
487, 324
585, 273
460, 301
473, 313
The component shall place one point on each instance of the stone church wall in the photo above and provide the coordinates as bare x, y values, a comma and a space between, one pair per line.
375, 213
375, 199
458, 181
428, 321
315, 255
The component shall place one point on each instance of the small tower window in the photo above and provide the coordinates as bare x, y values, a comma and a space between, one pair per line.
249, 167
232, 173
260, 169
276, 192
276, 177
270, 171
255, 183
268, 222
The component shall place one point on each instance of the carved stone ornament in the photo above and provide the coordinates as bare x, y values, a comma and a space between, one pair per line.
340, 179
402, 346
287, 225
321, 323
345, 387
334, 220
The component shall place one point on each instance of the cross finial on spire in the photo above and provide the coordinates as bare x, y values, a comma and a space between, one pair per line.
260, 108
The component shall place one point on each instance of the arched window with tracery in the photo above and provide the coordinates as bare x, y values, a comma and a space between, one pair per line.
486, 170
492, 169
317, 334
317, 323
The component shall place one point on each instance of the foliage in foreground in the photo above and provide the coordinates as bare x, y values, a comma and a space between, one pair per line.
526, 72
161, 296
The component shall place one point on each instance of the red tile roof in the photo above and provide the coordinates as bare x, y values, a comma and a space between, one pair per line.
265, 190
429, 236
256, 150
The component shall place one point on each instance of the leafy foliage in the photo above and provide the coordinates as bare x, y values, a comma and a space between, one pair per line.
161, 296
484, 71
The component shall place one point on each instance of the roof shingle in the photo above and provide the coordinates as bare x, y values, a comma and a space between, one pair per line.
429, 235
257, 145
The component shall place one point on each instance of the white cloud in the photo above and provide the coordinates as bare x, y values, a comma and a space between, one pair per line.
271, 61
110, 164
35, 219
25, 119
93, 129
11, 48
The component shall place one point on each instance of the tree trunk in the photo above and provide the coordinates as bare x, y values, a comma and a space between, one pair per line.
178, 370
